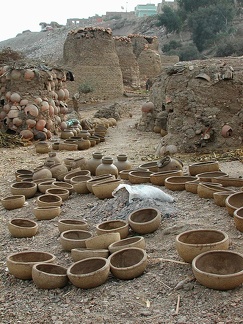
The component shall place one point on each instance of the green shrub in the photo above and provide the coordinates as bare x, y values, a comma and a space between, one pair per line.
173, 44
188, 53
85, 88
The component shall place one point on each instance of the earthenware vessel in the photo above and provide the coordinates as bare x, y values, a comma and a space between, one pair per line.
58, 171
46, 213
49, 276
102, 241
233, 202
72, 224
122, 162
208, 176
228, 181
23, 172
43, 186
168, 163
207, 190
113, 226
193, 242
220, 270
84, 253
52, 159
20, 264
22, 227
158, 178
128, 263
137, 177
72, 239
48, 200
61, 192
63, 185
177, 183
205, 166
42, 147
66, 133
75, 173
89, 273
42, 172
238, 219
220, 197
144, 220
28, 189
79, 184
151, 166
105, 189
106, 167
98, 179
13, 202
134, 241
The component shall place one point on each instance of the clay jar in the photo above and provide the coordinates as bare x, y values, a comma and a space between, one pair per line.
58, 171
122, 163
83, 144
52, 159
42, 172
66, 133
107, 167
42, 147
93, 163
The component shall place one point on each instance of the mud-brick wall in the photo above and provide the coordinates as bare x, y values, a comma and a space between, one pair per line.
90, 52
128, 62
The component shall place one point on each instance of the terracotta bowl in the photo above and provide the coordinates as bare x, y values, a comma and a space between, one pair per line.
221, 270
49, 200
135, 241
144, 220
228, 182
61, 192
98, 179
63, 185
128, 263
72, 239
28, 189
24, 172
24, 177
206, 166
13, 202
207, 190
220, 197
43, 186
102, 241
158, 178
238, 219
191, 186
76, 173
137, 177
208, 176
177, 183
191, 243
89, 273
105, 189
151, 166
124, 174
20, 264
233, 202
79, 184
72, 224
113, 226
37, 181
49, 276
47, 213
84, 253
22, 227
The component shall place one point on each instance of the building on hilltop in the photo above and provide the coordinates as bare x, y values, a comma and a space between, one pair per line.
145, 10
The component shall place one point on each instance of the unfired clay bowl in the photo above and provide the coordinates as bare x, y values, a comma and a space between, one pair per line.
233, 202
13, 202
158, 178
72, 224
205, 166
22, 227
84, 253
177, 183
49, 276
134, 241
144, 220
74, 239
113, 226
238, 219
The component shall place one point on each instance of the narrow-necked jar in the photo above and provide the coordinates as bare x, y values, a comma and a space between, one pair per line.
122, 162
94, 162
107, 167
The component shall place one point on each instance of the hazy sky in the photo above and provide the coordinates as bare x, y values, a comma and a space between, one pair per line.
20, 15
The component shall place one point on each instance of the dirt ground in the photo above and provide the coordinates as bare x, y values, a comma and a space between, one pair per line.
151, 298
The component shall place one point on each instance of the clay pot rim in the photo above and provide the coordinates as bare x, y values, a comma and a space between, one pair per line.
37, 252
30, 221
75, 275
135, 265
36, 265
124, 225
225, 235
62, 235
235, 214
140, 210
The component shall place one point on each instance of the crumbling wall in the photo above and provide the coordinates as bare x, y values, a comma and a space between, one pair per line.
201, 102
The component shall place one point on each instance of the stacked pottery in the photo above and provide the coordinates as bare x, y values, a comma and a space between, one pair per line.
93, 163
122, 162
107, 167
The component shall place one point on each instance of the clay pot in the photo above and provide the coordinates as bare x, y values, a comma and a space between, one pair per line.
47, 213
42, 147
43, 186
208, 176
238, 219
29, 75
89, 273
15, 97
61, 192
105, 189
72, 239
83, 144
168, 163
228, 182
30, 123
20, 264
207, 190
221, 270
191, 243
32, 110
128, 263
226, 131
177, 183
49, 276
98, 179
75, 173
83, 253
158, 178
59, 171
233, 202
94, 162
22, 227
68, 146
122, 162
24, 172
144, 220
13, 202
79, 184
66, 133
102, 241
72, 224
52, 158
106, 167
49, 200
26, 135
42, 172
137, 177
28, 189
63, 185
201, 167
220, 197
135, 241
113, 226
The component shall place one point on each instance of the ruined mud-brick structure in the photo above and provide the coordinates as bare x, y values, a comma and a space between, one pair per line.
199, 104
91, 53
128, 62
33, 100
146, 50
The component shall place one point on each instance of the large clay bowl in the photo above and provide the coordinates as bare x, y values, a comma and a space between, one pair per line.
238, 219
72, 224
136, 177
49, 276
24, 172
208, 176
46, 213
221, 270
128, 263
28, 189
113, 226
228, 182
72, 239
105, 189
220, 197
177, 183
98, 179
145, 220
191, 243
76, 173
84, 253
63, 185
102, 241
24, 177
207, 190
200, 167
151, 166
158, 178
43, 186
20, 264
233, 202
22, 227
13, 202
61, 192
135, 241
79, 184
191, 186
124, 174
89, 273
48, 200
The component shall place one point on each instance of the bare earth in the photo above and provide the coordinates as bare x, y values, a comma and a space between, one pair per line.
150, 298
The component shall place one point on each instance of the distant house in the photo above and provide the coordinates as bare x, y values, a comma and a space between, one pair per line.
146, 10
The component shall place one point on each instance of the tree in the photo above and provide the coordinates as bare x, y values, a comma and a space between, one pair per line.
193, 5
170, 20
